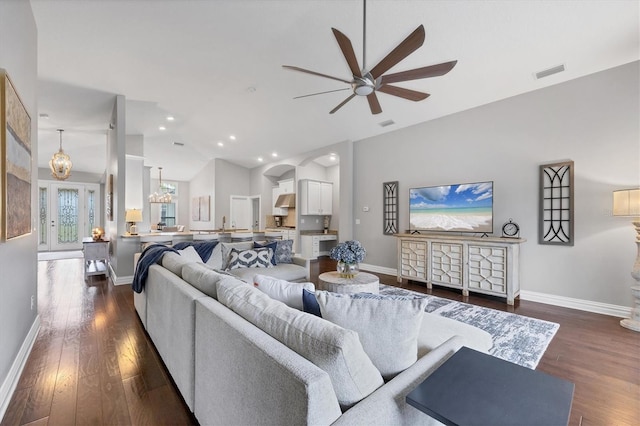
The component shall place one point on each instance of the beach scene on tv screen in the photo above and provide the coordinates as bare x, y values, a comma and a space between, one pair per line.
462, 208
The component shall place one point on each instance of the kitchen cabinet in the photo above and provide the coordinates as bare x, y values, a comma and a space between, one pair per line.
316, 197
312, 246
284, 187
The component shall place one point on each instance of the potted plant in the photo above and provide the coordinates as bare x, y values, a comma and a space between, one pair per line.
348, 255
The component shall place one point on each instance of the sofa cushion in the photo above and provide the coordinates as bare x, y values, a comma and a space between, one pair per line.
215, 260
284, 271
253, 258
287, 292
436, 330
284, 251
330, 347
174, 261
272, 245
226, 251
388, 326
203, 278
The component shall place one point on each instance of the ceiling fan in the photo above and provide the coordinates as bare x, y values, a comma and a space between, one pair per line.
367, 82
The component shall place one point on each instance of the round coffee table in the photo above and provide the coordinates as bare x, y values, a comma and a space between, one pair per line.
361, 283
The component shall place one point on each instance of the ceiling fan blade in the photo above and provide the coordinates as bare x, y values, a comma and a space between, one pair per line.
347, 51
418, 73
342, 103
404, 49
412, 95
322, 93
374, 105
289, 67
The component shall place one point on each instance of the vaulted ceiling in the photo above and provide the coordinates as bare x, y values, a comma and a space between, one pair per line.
216, 67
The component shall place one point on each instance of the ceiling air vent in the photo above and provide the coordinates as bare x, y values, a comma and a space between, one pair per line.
550, 71
178, 144
387, 123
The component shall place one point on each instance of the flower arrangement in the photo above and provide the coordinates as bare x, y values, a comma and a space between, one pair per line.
348, 252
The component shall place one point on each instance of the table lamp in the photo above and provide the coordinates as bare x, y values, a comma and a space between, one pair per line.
133, 216
626, 202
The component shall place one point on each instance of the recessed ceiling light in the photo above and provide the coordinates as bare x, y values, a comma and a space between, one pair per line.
220, 143
251, 89
232, 137
332, 157
260, 159
170, 118
274, 154
162, 128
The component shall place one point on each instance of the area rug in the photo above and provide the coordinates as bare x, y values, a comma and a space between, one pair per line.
516, 338
58, 255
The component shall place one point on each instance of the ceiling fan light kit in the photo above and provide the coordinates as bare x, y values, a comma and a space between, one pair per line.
367, 83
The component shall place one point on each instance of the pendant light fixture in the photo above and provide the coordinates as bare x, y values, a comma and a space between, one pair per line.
60, 163
160, 196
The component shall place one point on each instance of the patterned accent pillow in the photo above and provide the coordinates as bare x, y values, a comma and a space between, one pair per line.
272, 245
256, 258
284, 251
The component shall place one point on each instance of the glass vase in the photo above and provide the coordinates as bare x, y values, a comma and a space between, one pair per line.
347, 270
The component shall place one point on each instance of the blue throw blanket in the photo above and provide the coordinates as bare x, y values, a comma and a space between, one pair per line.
150, 255
153, 253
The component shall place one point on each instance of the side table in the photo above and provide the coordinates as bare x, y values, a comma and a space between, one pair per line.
472, 388
361, 283
96, 257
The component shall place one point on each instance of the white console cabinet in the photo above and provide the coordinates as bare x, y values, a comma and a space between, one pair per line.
486, 265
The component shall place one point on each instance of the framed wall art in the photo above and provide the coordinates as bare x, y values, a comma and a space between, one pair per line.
556, 204
109, 199
15, 147
195, 209
205, 203
390, 208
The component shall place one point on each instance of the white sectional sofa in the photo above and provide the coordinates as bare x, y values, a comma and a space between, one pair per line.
240, 357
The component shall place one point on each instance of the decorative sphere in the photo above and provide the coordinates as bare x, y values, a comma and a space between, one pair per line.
97, 233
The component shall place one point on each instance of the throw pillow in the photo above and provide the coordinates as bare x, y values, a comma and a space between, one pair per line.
388, 326
190, 254
226, 251
310, 303
284, 251
258, 258
284, 291
272, 245
334, 349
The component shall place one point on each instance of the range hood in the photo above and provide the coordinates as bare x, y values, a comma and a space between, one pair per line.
286, 200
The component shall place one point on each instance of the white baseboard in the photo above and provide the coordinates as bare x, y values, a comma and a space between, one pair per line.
534, 296
378, 269
580, 304
11, 381
116, 280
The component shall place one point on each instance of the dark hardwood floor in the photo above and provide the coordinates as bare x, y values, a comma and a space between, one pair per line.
93, 363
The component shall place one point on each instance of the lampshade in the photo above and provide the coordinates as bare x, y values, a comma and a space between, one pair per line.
133, 215
60, 163
626, 202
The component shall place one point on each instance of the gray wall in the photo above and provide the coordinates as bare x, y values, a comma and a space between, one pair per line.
592, 121
230, 179
18, 257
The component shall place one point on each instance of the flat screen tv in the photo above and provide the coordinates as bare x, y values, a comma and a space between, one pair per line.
457, 208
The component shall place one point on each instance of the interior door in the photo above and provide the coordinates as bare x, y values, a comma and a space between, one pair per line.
240, 212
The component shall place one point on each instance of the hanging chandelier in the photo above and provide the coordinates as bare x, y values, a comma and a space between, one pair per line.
60, 163
160, 196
